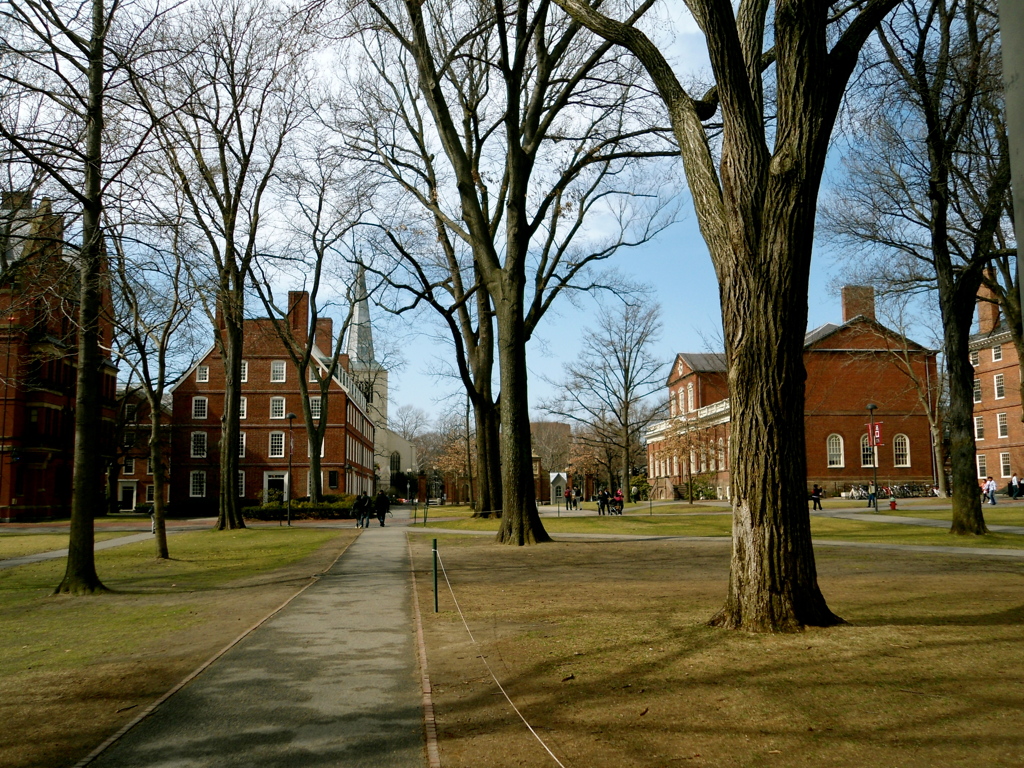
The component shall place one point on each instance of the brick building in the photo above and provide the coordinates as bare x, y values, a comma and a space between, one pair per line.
38, 354
131, 482
998, 430
270, 391
848, 366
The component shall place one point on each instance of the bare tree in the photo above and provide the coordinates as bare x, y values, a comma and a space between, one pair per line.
409, 422
756, 207
154, 303
930, 190
509, 128
607, 386
61, 63
230, 91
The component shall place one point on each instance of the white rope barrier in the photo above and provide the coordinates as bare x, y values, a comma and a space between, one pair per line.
484, 660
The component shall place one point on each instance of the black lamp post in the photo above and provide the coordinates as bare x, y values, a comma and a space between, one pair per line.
874, 450
291, 447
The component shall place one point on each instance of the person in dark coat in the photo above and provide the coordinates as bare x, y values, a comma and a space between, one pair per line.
382, 505
816, 497
362, 507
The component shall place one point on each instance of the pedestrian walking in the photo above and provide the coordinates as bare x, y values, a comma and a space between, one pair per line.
382, 505
816, 497
568, 499
1014, 487
362, 509
990, 490
602, 502
871, 494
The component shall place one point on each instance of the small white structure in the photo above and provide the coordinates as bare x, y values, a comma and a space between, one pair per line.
559, 482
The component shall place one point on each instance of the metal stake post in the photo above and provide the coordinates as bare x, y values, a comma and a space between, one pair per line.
434, 551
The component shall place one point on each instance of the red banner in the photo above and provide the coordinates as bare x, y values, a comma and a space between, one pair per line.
874, 433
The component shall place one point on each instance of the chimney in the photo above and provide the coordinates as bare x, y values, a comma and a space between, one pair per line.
858, 300
324, 338
298, 314
343, 362
988, 307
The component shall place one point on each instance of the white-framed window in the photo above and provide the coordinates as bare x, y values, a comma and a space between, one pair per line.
129, 466
721, 454
277, 445
901, 451
868, 453
198, 445
200, 408
243, 408
977, 390
241, 483
150, 493
834, 446
277, 370
241, 445
203, 374
314, 407
1002, 425
689, 396
245, 371
975, 358
1000, 389
131, 412
982, 462
277, 407
197, 484
1004, 464
129, 438
312, 371
309, 447
997, 353
979, 427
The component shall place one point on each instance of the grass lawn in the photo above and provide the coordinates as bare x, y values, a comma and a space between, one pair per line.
604, 647
1001, 514
721, 525
21, 544
73, 669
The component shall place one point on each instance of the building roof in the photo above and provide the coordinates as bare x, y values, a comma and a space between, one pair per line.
997, 335
712, 362
821, 332
359, 345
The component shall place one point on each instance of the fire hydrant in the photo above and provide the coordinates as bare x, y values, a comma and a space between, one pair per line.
892, 503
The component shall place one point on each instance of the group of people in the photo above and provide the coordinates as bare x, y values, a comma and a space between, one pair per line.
989, 488
607, 504
365, 507
572, 498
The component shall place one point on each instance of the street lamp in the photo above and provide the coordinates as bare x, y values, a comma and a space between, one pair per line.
291, 448
874, 451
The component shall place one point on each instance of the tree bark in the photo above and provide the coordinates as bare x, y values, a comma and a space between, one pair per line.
520, 520
957, 305
159, 484
229, 515
80, 575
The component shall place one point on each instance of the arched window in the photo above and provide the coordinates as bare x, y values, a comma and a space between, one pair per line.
396, 462
721, 454
901, 451
835, 451
868, 455
689, 395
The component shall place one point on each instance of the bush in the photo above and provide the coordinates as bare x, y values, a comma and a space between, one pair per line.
333, 507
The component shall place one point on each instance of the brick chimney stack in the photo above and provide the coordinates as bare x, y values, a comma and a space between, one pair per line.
325, 335
988, 308
298, 314
858, 300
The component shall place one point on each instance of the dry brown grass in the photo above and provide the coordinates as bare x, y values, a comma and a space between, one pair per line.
604, 648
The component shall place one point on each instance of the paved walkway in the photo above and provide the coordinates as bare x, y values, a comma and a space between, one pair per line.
332, 680
39, 557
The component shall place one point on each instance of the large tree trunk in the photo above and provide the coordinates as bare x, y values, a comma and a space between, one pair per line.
229, 514
520, 520
159, 485
773, 580
486, 416
87, 496
957, 313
